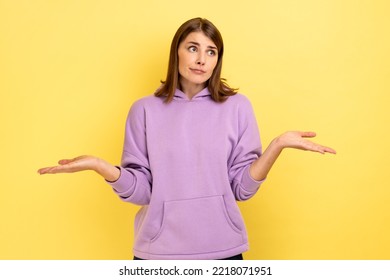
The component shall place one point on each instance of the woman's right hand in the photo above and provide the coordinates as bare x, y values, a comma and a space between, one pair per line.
81, 163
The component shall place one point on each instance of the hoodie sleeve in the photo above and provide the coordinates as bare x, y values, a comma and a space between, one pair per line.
246, 150
134, 183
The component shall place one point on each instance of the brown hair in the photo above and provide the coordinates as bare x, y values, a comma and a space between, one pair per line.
216, 85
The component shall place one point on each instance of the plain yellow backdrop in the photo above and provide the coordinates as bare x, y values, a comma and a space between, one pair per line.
70, 70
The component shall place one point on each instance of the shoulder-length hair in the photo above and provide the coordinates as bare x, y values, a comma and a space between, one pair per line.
216, 85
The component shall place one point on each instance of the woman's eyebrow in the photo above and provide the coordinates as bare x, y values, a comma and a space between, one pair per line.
197, 44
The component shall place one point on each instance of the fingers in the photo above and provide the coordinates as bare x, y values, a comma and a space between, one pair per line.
42, 171
329, 150
55, 169
47, 170
316, 147
308, 134
65, 161
321, 149
80, 163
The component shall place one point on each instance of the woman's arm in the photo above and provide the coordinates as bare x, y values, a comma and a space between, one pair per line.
291, 139
108, 171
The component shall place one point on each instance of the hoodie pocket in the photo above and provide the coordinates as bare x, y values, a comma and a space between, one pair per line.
195, 226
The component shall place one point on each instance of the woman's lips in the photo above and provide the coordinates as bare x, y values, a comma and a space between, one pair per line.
197, 71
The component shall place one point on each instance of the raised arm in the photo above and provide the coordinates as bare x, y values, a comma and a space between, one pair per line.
260, 168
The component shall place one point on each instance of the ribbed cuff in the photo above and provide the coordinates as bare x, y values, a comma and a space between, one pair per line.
124, 181
248, 183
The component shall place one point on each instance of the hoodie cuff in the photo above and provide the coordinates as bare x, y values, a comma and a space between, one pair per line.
124, 181
249, 183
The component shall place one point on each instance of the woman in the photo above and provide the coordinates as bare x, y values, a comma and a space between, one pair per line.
191, 151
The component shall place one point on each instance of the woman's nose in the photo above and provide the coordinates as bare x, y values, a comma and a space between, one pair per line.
201, 60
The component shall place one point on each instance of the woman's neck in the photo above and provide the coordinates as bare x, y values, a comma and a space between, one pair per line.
191, 90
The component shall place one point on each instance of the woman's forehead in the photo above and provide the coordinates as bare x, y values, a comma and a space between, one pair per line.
200, 38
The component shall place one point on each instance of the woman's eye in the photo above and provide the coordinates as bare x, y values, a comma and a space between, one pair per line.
211, 52
192, 49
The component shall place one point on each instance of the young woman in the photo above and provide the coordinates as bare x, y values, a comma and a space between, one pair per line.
191, 151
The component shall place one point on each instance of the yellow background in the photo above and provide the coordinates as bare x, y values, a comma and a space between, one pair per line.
70, 70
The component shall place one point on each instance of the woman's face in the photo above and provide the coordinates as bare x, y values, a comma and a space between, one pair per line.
198, 56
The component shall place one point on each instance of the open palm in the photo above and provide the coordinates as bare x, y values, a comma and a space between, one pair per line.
80, 163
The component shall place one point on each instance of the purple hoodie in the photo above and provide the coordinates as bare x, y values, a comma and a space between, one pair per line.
186, 163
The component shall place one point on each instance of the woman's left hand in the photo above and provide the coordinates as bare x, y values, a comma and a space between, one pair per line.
290, 139
297, 140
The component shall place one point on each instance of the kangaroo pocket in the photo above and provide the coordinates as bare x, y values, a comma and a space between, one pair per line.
196, 226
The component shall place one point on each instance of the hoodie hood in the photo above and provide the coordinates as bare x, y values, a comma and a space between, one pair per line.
202, 95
